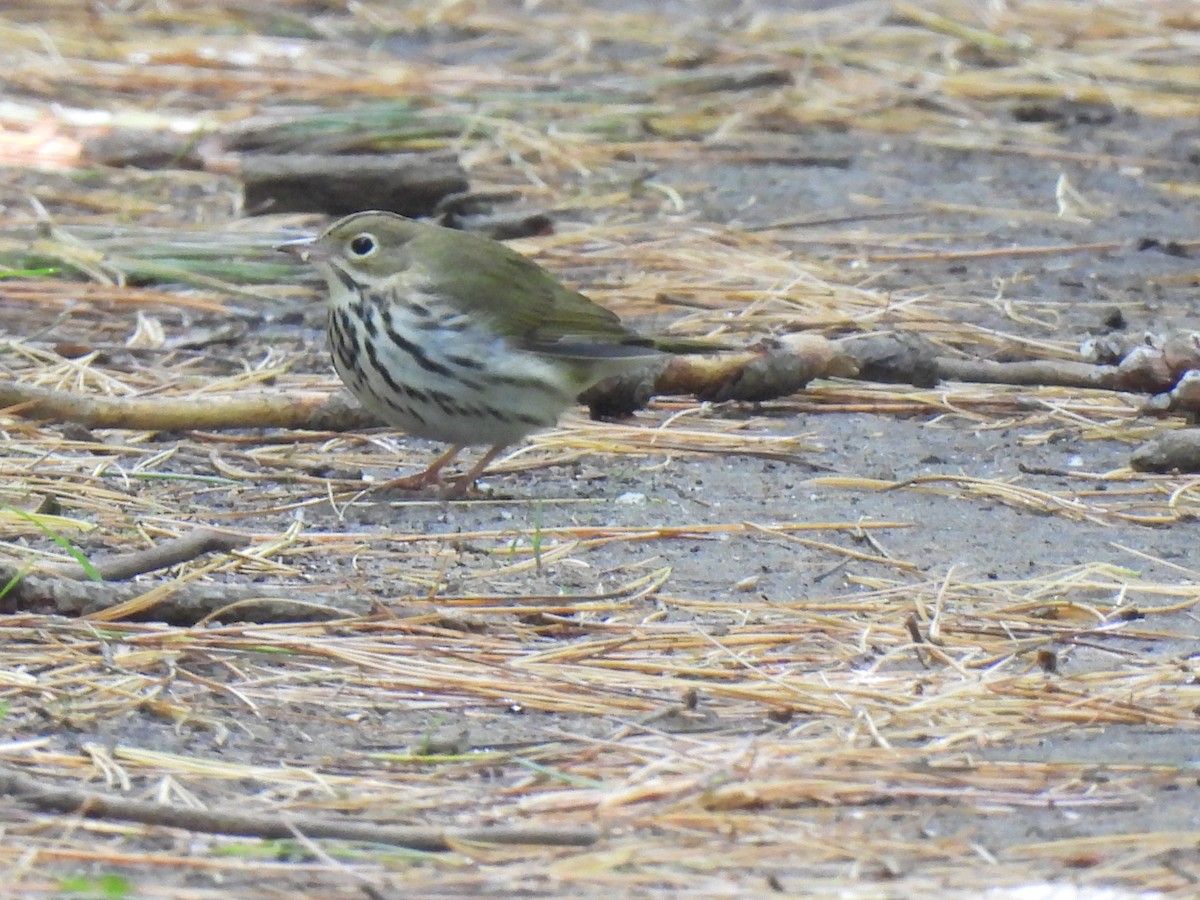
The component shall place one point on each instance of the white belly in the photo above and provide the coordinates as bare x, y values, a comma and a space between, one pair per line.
443, 378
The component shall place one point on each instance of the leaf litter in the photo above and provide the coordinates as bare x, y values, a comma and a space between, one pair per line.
867, 640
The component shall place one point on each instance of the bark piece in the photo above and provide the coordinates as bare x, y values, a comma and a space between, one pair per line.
409, 184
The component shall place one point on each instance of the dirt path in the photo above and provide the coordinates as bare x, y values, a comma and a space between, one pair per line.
867, 641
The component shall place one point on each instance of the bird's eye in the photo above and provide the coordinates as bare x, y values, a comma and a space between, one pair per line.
363, 245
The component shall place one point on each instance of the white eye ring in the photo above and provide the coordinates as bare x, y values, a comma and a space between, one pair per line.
363, 245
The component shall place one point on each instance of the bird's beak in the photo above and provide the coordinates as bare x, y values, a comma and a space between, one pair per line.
305, 249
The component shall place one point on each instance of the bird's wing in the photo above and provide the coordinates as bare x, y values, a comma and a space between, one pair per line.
520, 300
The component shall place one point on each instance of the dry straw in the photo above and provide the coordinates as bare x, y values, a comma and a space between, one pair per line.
509, 679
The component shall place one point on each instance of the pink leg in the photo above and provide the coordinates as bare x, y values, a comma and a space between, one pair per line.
463, 484
432, 475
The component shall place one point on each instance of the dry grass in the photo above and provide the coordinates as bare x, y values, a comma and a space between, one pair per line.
723, 744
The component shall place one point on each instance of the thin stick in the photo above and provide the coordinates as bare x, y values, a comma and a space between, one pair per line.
168, 553
181, 604
96, 805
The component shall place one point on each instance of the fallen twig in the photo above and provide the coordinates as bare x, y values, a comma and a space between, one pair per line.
317, 412
747, 375
96, 805
171, 552
907, 358
175, 603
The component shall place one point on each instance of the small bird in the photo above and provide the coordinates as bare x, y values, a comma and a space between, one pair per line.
457, 338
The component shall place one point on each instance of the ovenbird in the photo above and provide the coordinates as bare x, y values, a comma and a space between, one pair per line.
457, 338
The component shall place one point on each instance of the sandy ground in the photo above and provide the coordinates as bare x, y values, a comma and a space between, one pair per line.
1046, 736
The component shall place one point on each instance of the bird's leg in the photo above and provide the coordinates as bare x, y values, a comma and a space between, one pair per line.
462, 485
431, 475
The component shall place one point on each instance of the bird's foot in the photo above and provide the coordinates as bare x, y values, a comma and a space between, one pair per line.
412, 482
423, 479
454, 488
458, 488
462, 485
